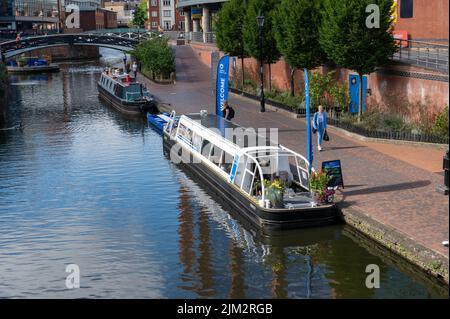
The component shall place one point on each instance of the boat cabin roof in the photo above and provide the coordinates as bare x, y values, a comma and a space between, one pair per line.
121, 79
226, 129
252, 143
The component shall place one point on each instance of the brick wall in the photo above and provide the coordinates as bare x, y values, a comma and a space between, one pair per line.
402, 89
429, 21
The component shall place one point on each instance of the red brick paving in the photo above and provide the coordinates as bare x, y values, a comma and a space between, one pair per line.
382, 187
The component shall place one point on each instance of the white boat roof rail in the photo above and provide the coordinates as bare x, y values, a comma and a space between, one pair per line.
212, 136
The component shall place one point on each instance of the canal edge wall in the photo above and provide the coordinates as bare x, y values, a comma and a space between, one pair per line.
3, 87
431, 262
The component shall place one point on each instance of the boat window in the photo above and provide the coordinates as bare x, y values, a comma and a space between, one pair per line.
206, 148
226, 162
215, 154
197, 141
185, 134
248, 176
118, 91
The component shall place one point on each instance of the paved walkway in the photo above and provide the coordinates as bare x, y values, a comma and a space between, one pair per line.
384, 188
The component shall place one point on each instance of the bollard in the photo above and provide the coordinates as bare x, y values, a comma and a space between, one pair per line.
444, 189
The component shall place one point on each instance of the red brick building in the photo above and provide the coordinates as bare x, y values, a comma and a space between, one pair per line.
110, 18
98, 19
163, 15
423, 20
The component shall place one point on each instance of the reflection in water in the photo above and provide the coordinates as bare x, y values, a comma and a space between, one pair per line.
82, 184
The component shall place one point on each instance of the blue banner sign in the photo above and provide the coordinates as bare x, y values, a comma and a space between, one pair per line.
222, 83
309, 144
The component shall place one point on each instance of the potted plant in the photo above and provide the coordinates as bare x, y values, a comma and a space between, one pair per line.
319, 187
274, 192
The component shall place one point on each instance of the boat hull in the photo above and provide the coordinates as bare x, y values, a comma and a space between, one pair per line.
129, 108
270, 219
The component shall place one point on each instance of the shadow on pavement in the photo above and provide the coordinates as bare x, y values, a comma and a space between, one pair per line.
388, 188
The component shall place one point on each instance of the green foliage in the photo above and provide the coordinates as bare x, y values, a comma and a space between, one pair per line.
295, 102
328, 92
296, 30
320, 84
348, 41
340, 96
156, 56
274, 192
228, 25
140, 14
377, 121
319, 182
270, 53
441, 125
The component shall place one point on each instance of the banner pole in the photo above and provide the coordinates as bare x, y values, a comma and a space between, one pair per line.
309, 144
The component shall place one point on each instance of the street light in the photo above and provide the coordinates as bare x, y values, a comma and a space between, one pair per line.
260, 19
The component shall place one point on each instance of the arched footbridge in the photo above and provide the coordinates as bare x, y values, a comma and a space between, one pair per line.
123, 41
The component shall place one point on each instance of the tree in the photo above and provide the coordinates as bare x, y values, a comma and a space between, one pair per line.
140, 14
229, 31
269, 52
156, 56
349, 38
296, 30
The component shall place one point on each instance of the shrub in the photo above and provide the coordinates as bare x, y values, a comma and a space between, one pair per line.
156, 56
441, 125
340, 96
393, 122
320, 85
294, 102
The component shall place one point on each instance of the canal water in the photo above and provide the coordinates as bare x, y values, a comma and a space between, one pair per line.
80, 184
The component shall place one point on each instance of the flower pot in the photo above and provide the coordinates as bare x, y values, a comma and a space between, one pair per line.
276, 197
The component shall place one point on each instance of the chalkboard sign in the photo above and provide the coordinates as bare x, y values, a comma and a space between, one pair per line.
334, 169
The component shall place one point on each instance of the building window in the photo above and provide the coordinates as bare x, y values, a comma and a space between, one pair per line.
154, 3
154, 14
406, 9
167, 25
166, 2
167, 13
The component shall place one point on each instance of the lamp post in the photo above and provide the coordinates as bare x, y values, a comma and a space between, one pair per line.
59, 25
260, 19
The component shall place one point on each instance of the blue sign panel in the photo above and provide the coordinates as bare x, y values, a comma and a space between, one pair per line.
223, 71
354, 93
309, 144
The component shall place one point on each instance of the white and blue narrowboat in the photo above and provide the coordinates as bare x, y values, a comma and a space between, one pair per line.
241, 174
125, 94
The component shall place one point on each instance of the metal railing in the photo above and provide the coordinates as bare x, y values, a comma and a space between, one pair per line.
423, 54
12, 48
200, 37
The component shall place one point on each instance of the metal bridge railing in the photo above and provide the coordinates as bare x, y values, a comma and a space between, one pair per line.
424, 54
